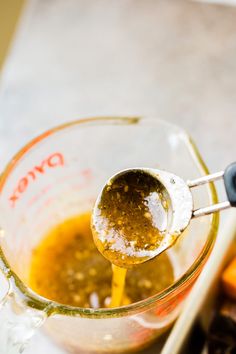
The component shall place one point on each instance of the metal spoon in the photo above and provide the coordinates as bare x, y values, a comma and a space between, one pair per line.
170, 209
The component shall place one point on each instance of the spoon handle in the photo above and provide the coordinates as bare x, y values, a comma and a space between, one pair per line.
229, 177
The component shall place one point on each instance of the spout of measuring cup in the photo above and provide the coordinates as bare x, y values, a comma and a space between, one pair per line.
18, 321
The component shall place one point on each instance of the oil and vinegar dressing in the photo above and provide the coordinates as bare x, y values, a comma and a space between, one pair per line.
130, 218
67, 267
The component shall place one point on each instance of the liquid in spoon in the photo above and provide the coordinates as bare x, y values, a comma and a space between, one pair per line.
130, 218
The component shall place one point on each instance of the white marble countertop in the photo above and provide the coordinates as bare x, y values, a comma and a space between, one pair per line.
171, 59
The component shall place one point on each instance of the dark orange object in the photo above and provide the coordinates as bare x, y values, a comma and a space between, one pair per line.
229, 279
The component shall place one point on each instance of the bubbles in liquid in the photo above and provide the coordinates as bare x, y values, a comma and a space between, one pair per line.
67, 267
130, 218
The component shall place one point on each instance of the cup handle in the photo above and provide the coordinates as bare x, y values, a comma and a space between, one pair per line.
18, 324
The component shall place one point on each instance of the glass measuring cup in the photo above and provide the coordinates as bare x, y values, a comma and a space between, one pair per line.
59, 175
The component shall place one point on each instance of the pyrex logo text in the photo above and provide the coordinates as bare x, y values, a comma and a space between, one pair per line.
51, 161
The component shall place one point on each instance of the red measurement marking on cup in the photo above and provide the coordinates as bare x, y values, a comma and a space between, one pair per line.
54, 160
141, 335
172, 304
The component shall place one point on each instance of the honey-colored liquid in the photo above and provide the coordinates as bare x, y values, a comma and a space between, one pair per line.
67, 267
130, 217
118, 285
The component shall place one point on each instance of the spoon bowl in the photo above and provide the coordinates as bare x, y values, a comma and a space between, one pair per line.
139, 213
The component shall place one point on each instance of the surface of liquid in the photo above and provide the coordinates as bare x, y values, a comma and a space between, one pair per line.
130, 218
67, 267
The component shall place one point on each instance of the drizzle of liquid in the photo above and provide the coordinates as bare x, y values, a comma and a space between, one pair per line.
130, 218
67, 267
118, 285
